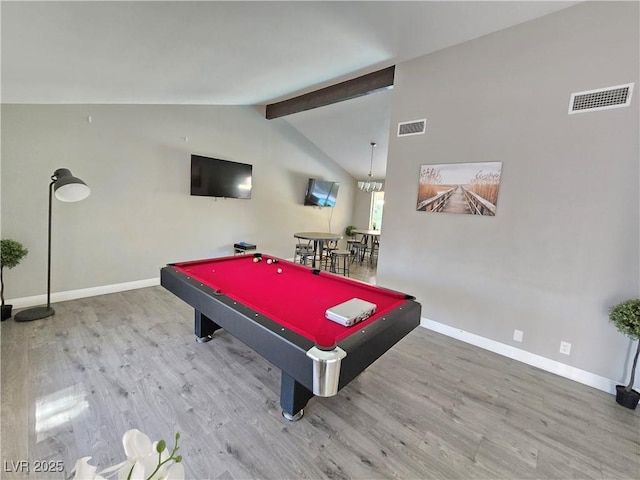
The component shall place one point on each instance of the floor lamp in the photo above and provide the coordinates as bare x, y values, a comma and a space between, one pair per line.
67, 188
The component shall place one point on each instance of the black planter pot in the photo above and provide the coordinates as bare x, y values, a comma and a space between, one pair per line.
627, 399
6, 312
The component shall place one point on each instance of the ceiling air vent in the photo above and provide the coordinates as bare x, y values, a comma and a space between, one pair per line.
601, 99
414, 127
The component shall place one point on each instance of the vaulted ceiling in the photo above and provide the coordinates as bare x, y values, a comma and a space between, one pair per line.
239, 53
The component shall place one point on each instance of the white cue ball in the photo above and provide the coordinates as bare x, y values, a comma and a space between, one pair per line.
279, 270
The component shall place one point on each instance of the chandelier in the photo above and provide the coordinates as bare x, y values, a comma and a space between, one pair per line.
367, 185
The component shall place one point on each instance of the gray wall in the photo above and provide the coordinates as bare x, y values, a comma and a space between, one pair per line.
564, 244
140, 215
361, 209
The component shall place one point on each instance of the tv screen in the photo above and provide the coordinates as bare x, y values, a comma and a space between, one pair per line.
212, 177
321, 193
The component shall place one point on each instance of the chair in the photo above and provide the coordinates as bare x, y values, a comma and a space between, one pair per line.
328, 247
351, 241
304, 252
338, 257
359, 249
374, 250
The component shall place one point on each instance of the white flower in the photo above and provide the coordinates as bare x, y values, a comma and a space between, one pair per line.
84, 471
143, 462
174, 472
136, 444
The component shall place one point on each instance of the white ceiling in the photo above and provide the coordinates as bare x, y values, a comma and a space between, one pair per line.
238, 53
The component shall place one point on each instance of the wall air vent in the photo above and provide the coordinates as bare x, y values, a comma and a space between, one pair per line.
414, 127
601, 99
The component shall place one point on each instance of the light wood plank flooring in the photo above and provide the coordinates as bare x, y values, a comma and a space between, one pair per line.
431, 407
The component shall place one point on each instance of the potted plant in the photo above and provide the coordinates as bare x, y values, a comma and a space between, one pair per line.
349, 231
626, 318
11, 254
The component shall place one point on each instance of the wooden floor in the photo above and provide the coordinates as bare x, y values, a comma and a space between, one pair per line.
431, 407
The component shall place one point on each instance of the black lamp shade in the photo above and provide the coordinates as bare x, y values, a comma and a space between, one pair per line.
68, 188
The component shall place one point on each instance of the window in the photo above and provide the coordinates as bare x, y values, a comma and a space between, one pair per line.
377, 204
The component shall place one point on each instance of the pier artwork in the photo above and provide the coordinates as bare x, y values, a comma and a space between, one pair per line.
463, 188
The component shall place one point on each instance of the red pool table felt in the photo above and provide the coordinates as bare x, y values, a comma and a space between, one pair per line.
296, 298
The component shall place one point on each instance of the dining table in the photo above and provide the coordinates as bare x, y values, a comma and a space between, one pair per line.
318, 239
369, 239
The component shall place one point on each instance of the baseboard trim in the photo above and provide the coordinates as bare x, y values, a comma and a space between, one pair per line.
25, 302
552, 366
548, 365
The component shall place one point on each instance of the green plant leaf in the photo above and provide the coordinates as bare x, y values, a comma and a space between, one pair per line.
11, 253
625, 317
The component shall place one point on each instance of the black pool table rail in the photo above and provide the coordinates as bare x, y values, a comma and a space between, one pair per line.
283, 347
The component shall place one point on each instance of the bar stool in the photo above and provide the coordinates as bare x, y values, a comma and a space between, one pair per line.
352, 244
359, 250
373, 255
327, 249
304, 252
338, 256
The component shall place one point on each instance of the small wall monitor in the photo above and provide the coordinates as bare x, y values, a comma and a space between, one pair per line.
321, 193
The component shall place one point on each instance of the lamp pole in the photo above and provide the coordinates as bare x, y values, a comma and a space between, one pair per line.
67, 189
53, 180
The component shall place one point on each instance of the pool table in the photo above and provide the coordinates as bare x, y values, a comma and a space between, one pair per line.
277, 308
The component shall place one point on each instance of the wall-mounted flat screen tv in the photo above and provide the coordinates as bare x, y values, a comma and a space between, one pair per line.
321, 193
213, 177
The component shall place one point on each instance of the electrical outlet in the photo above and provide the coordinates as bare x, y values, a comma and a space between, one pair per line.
565, 348
517, 335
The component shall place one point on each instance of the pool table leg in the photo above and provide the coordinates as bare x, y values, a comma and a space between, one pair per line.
204, 327
293, 398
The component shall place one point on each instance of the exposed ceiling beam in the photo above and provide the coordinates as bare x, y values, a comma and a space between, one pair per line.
356, 87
